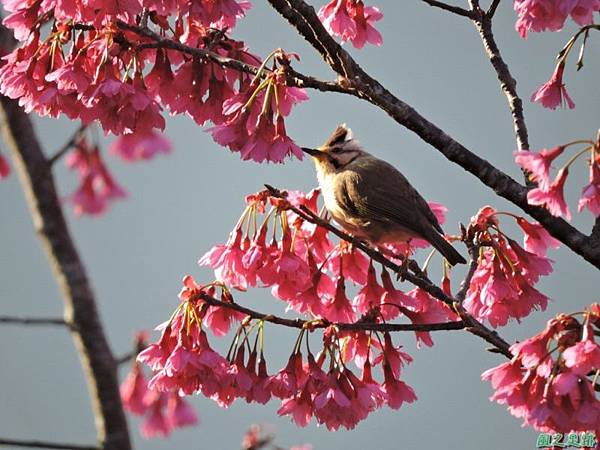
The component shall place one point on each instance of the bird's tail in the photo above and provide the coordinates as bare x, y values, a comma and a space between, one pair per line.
446, 249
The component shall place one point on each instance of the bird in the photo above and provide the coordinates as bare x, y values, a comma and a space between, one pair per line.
370, 199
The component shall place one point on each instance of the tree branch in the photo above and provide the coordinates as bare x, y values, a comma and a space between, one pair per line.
320, 323
306, 22
33, 321
450, 8
80, 306
294, 78
464, 286
492, 9
45, 444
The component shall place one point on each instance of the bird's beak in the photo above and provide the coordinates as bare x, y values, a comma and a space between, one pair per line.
315, 153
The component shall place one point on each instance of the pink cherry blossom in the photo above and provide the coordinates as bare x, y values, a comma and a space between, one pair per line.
140, 146
98, 188
354, 263
370, 295
545, 383
288, 380
166, 412
542, 15
253, 122
352, 21
134, 389
289, 274
393, 300
583, 357
179, 413
220, 319
423, 308
155, 423
357, 347
339, 308
227, 260
536, 239
397, 391
590, 195
537, 164
552, 197
553, 93
501, 287
300, 407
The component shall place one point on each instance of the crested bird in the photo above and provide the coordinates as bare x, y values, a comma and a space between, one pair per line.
370, 199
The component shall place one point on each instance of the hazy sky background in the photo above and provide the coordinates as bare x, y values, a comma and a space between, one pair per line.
181, 205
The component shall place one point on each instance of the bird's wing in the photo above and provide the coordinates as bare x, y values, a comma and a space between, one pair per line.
377, 190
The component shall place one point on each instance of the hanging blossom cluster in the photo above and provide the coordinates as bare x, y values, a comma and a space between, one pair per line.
101, 63
319, 386
312, 275
541, 15
549, 193
551, 15
97, 186
502, 287
550, 381
253, 120
352, 21
162, 412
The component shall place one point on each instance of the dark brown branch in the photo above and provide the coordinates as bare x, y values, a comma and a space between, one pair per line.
305, 20
493, 8
45, 444
67, 145
314, 324
451, 8
80, 305
472, 325
33, 321
466, 282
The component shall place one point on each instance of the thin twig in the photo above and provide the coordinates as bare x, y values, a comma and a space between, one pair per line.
483, 24
321, 323
466, 282
45, 444
67, 145
33, 321
451, 8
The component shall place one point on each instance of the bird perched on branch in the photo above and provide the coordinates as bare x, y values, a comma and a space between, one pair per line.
371, 199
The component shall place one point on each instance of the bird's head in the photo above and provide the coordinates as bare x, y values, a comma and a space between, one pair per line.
337, 152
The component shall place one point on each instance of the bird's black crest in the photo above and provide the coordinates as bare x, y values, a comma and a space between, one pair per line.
341, 134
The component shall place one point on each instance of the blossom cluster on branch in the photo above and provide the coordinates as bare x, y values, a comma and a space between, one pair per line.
162, 412
273, 246
550, 193
551, 15
551, 381
502, 286
103, 63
